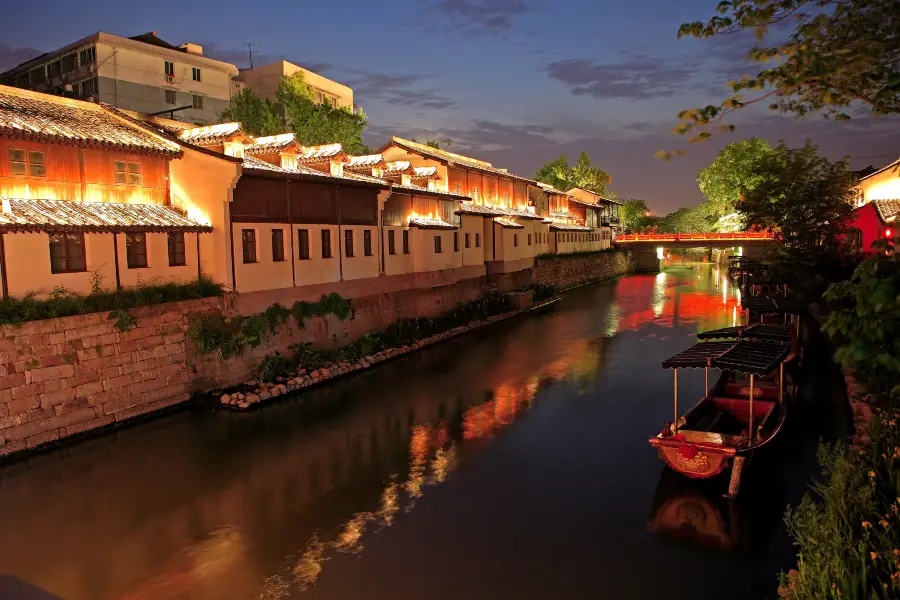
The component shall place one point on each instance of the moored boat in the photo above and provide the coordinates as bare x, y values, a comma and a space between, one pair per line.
745, 410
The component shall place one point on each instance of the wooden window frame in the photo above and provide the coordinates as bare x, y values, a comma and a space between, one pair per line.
529, 239
348, 243
515, 240
169, 68
303, 244
249, 252
392, 245
467, 241
136, 250
367, 242
171, 94
438, 245
67, 242
477, 240
326, 244
278, 245
32, 162
406, 241
176, 246
197, 101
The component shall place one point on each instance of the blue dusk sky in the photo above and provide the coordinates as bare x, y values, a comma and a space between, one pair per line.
515, 82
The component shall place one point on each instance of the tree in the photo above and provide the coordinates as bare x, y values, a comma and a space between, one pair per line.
807, 201
687, 219
636, 215
318, 122
584, 174
840, 54
732, 173
257, 116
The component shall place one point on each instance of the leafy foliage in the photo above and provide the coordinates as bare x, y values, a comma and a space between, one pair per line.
320, 122
333, 303
64, 303
229, 336
732, 174
687, 219
864, 323
848, 542
541, 291
636, 215
123, 319
840, 54
584, 174
258, 116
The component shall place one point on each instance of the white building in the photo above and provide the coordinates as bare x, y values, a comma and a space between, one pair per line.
142, 73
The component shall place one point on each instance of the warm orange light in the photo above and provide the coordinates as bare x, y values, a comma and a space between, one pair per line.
888, 233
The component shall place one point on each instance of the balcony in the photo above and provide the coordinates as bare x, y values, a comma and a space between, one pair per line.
614, 220
604, 220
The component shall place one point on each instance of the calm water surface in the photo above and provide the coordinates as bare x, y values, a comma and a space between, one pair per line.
510, 463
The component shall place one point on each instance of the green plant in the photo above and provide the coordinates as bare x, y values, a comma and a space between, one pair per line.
849, 541
541, 291
228, 336
333, 303
123, 319
63, 303
273, 366
864, 323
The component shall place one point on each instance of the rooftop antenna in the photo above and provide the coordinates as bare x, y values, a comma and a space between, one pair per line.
250, 52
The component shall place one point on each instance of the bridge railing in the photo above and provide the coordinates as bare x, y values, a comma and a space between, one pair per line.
746, 236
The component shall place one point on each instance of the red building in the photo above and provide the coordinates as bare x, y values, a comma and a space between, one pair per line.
873, 221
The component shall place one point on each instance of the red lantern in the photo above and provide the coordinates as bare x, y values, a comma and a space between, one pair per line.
888, 233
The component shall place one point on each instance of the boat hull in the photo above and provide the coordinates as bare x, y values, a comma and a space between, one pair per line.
696, 463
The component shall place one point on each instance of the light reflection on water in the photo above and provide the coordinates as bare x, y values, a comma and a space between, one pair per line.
203, 506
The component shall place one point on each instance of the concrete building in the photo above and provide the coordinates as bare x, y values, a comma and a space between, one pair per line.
265, 80
142, 73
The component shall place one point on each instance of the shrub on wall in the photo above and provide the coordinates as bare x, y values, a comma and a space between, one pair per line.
64, 303
554, 256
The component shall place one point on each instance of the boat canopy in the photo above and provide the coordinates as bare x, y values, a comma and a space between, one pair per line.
773, 305
768, 280
756, 331
753, 358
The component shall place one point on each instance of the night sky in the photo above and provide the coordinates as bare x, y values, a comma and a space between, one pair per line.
515, 82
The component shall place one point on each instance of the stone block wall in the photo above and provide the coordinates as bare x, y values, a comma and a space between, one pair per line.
60, 377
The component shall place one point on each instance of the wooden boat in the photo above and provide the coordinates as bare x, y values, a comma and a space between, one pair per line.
735, 418
782, 334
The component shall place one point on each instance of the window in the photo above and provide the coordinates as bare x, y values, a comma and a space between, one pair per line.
475, 193
303, 243
176, 249
67, 253
326, 243
68, 63
456, 241
136, 250
54, 69
87, 56
478, 240
248, 245
406, 241
170, 96
319, 97
27, 163
36, 76
529, 239
515, 239
467, 241
334, 102
437, 244
124, 172
198, 102
277, 245
367, 242
348, 243
457, 188
391, 247
195, 73
170, 69
89, 87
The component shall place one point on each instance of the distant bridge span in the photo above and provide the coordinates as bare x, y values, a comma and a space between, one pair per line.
648, 247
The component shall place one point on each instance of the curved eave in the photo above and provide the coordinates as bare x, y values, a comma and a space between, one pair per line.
22, 134
42, 228
315, 178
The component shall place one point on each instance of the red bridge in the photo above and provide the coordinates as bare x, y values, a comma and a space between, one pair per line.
649, 248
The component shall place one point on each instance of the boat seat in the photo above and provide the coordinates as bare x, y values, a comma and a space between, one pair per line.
742, 390
708, 422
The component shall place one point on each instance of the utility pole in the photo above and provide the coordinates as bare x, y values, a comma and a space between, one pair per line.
250, 52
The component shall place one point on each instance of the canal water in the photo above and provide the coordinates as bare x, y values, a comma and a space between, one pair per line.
509, 463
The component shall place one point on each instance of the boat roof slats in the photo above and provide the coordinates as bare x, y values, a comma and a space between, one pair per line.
698, 356
756, 358
771, 305
756, 331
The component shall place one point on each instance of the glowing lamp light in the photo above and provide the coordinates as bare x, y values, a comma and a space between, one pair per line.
659, 253
888, 233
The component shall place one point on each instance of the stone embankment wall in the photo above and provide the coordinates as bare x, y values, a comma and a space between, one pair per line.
63, 377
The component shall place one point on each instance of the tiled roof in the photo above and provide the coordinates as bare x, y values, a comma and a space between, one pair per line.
567, 227
470, 208
423, 223
426, 173
211, 135
454, 159
254, 164
549, 188
366, 162
273, 143
595, 194
325, 152
169, 126
508, 223
418, 189
583, 203
562, 215
32, 115
398, 167
888, 210
30, 215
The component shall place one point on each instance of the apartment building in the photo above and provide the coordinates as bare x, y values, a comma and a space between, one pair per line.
142, 73
265, 80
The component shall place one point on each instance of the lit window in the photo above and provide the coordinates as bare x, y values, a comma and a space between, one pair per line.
170, 96
136, 250
196, 73
27, 163
134, 173
198, 102
176, 249
124, 172
17, 162
67, 253
248, 245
